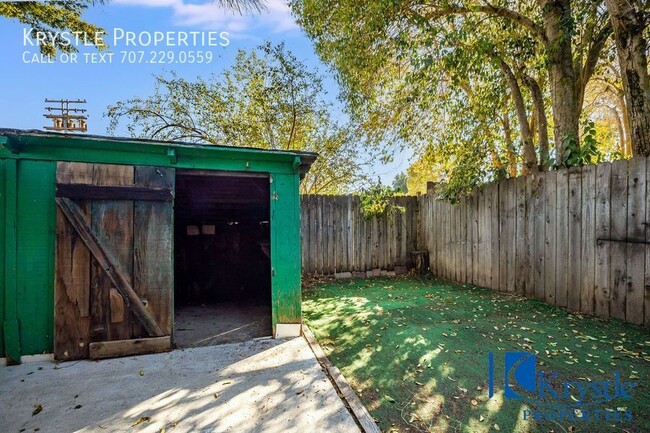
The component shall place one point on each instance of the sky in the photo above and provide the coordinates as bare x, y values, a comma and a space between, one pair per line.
125, 70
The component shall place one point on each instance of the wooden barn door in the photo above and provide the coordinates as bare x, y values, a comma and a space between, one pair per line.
114, 270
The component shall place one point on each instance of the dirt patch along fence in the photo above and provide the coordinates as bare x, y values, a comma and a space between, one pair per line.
577, 238
337, 238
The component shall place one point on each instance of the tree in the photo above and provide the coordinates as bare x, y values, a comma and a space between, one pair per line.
630, 19
365, 40
66, 15
400, 183
50, 17
268, 99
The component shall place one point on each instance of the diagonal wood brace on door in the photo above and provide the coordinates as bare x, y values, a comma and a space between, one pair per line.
108, 264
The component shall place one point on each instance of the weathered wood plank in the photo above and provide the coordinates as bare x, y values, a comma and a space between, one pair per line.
508, 243
588, 262
618, 269
110, 192
460, 244
550, 214
539, 250
602, 233
495, 282
575, 239
646, 300
475, 239
529, 290
153, 272
635, 253
72, 276
112, 221
562, 238
482, 236
139, 346
108, 265
521, 261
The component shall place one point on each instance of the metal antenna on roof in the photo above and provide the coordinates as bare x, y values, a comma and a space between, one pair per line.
62, 120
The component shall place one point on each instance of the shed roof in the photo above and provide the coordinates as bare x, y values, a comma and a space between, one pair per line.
17, 141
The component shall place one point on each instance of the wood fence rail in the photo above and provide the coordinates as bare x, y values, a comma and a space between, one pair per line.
577, 238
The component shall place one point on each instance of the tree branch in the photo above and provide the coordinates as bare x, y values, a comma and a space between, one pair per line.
509, 14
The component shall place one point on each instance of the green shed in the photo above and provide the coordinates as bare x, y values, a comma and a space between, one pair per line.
105, 241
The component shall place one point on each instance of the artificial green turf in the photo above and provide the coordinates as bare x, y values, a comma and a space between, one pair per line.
416, 352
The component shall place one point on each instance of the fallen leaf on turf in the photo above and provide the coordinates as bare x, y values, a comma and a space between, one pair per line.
141, 420
481, 418
216, 395
390, 399
37, 409
141, 372
474, 402
496, 427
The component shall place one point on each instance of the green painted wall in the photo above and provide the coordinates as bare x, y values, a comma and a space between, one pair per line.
36, 231
28, 223
285, 249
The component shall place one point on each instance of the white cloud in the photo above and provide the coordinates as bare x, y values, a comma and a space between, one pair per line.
207, 15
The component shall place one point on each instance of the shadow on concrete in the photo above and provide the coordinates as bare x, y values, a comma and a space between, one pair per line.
257, 386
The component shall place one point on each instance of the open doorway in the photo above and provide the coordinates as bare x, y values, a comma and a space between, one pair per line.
222, 287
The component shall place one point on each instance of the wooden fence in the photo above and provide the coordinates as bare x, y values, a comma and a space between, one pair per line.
336, 238
577, 238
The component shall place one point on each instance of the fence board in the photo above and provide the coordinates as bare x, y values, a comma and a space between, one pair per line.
474, 203
510, 235
550, 215
603, 222
539, 228
646, 300
529, 289
562, 238
575, 236
588, 262
635, 260
520, 247
618, 276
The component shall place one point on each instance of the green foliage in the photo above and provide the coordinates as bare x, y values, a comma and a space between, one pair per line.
427, 75
52, 17
587, 153
400, 183
378, 201
268, 99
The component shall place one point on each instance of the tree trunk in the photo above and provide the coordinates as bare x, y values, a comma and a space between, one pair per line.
619, 127
564, 93
510, 147
622, 106
528, 148
542, 122
628, 23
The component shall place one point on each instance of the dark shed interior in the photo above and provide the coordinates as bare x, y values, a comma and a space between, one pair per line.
222, 258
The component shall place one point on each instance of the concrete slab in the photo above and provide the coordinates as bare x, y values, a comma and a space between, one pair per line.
256, 386
208, 325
